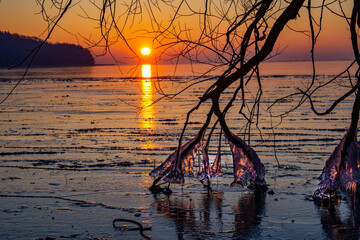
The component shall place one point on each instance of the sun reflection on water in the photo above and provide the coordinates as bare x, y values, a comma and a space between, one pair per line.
147, 108
147, 113
146, 70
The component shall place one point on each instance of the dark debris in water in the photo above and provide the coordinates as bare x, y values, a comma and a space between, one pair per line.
167, 120
10, 178
26, 152
309, 198
89, 130
47, 238
71, 236
286, 175
271, 192
73, 166
289, 167
145, 161
101, 165
125, 164
169, 123
44, 163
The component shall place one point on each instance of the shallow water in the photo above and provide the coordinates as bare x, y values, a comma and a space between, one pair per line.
77, 145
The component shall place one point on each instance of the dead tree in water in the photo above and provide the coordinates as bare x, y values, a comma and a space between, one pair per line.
257, 41
248, 170
342, 169
238, 35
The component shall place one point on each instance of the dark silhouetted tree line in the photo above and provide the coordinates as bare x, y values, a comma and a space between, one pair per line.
14, 48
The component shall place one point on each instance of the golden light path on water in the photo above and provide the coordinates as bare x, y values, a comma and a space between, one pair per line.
147, 112
146, 70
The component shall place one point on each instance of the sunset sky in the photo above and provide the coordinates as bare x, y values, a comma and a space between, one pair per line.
22, 17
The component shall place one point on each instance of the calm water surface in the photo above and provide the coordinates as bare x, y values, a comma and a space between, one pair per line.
93, 135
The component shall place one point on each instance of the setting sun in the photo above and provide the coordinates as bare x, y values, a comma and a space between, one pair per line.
145, 51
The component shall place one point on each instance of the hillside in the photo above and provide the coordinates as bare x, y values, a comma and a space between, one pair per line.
14, 47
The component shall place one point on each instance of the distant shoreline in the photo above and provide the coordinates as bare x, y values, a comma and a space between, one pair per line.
19, 50
165, 64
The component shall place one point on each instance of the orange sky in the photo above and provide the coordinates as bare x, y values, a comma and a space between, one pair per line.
21, 16
333, 42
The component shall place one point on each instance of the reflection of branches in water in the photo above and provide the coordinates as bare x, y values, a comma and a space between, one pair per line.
208, 201
338, 226
248, 213
181, 211
195, 218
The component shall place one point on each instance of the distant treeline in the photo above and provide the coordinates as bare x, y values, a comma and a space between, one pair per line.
14, 48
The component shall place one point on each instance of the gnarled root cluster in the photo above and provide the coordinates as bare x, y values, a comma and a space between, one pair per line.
248, 169
341, 171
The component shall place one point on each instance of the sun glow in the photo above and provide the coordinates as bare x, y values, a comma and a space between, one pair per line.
147, 108
145, 51
146, 71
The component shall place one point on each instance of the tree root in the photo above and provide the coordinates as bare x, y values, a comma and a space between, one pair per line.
139, 228
156, 188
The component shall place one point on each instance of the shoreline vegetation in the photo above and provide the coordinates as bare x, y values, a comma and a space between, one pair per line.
14, 48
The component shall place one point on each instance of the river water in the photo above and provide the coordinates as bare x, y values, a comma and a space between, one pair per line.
77, 145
